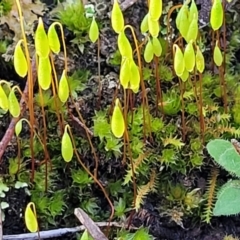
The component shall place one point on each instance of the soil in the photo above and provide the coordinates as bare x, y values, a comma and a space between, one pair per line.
161, 227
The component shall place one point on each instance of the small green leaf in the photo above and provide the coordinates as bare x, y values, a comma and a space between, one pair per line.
93, 31
228, 199
225, 154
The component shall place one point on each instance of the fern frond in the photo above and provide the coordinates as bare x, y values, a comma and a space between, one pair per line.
145, 189
136, 164
173, 141
210, 195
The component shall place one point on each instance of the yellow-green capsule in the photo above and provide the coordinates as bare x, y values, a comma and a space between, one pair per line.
185, 75
53, 39
44, 73
155, 9
148, 51
200, 62
135, 76
14, 106
193, 11
63, 89
66, 146
217, 55
125, 71
4, 104
117, 19
153, 26
117, 121
124, 45
144, 24
93, 31
157, 47
19, 60
216, 15
182, 20
41, 40
31, 218
179, 64
189, 57
192, 31
18, 127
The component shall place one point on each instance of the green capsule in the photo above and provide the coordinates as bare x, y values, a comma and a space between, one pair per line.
66, 146
63, 89
153, 26
53, 39
200, 62
125, 70
182, 20
217, 55
193, 11
157, 47
155, 9
41, 40
185, 75
93, 31
4, 104
216, 15
44, 73
179, 64
148, 51
117, 19
18, 127
14, 106
124, 46
117, 122
144, 24
189, 57
192, 33
20, 61
135, 76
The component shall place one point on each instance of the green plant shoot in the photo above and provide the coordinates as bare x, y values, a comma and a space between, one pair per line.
117, 19
63, 88
53, 39
93, 31
31, 218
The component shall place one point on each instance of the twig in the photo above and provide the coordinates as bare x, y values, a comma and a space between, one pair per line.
10, 131
89, 224
56, 232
